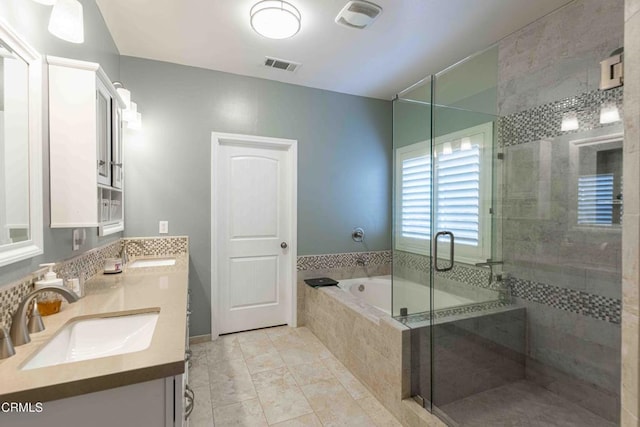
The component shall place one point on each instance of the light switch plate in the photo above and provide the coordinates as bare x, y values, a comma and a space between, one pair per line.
163, 227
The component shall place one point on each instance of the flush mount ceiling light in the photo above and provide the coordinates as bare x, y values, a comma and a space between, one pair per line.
66, 21
275, 19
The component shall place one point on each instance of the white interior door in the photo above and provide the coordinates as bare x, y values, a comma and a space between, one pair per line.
253, 228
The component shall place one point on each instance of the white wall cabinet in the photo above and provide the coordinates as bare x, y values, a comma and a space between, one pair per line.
85, 146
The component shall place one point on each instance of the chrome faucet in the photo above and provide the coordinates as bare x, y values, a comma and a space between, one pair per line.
19, 329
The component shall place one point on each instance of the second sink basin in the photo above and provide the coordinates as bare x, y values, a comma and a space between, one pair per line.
152, 262
97, 337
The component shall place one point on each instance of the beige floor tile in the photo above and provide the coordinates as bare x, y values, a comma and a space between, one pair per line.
309, 420
325, 394
199, 375
279, 331
264, 362
346, 413
280, 377
309, 373
202, 414
283, 403
223, 369
232, 390
257, 348
257, 335
298, 355
226, 347
378, 413
354, 387
244, 414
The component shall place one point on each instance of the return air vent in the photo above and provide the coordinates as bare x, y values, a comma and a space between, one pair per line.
281, 64
358, 14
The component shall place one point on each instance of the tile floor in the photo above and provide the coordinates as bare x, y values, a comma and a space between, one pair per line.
278, 377
521, 404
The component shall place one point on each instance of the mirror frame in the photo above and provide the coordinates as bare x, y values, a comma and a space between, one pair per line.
34, 246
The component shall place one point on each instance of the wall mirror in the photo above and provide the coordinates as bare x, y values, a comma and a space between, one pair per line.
20, 148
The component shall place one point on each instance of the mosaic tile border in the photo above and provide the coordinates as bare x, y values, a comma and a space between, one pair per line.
87, 265
474, 276
343, 260
544, 121
575, 301
145, 246
450, 312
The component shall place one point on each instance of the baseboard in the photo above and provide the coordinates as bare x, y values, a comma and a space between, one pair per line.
199, 339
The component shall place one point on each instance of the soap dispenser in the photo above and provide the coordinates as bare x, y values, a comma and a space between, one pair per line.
49, 302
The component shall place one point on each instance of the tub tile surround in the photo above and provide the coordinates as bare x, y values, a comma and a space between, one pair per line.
87, 265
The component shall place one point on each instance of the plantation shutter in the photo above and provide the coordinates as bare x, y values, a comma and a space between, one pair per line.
595, 199
458, 194
416, 197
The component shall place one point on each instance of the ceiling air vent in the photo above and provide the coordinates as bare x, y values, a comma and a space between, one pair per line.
358, 14
281, 64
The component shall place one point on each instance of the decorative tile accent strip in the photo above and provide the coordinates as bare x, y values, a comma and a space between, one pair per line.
87, 265
145, 246
596, 306
474, 276
11, 295
319, 262
449, 312
545, 120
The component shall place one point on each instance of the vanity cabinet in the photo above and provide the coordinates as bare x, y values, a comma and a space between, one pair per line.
85, 145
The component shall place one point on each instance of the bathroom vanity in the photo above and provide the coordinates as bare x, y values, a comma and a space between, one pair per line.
142, 387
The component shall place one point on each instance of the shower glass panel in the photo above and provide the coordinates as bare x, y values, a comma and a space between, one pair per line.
412, 229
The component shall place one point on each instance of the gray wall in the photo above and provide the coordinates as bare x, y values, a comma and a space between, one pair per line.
344, 159
30, 20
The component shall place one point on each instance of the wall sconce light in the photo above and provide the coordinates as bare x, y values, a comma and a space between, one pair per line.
609, 114
130, 114
447, 149
66, 21
275, 19
569, 121
465, 144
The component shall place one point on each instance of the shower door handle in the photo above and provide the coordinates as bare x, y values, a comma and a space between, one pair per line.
434, 251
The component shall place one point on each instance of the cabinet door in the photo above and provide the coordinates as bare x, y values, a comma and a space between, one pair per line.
116, 149
104, 132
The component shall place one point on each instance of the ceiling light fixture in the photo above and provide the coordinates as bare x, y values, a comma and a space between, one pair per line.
66, 21
46, 2
275, 19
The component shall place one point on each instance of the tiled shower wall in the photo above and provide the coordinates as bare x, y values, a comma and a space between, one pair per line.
567, 277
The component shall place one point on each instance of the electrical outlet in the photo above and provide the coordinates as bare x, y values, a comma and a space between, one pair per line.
163, 227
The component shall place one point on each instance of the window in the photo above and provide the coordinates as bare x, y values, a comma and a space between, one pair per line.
461, 182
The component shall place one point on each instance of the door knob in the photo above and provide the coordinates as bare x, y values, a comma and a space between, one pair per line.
284, 245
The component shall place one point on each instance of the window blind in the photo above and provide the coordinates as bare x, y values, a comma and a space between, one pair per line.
457, 195
416, 197
595, 199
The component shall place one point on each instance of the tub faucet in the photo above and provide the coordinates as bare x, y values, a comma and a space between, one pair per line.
361, 262
19, 330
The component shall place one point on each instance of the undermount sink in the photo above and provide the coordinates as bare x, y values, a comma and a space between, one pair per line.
152, 262
93, 338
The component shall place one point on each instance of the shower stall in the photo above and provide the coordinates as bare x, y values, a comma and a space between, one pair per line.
507, 205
